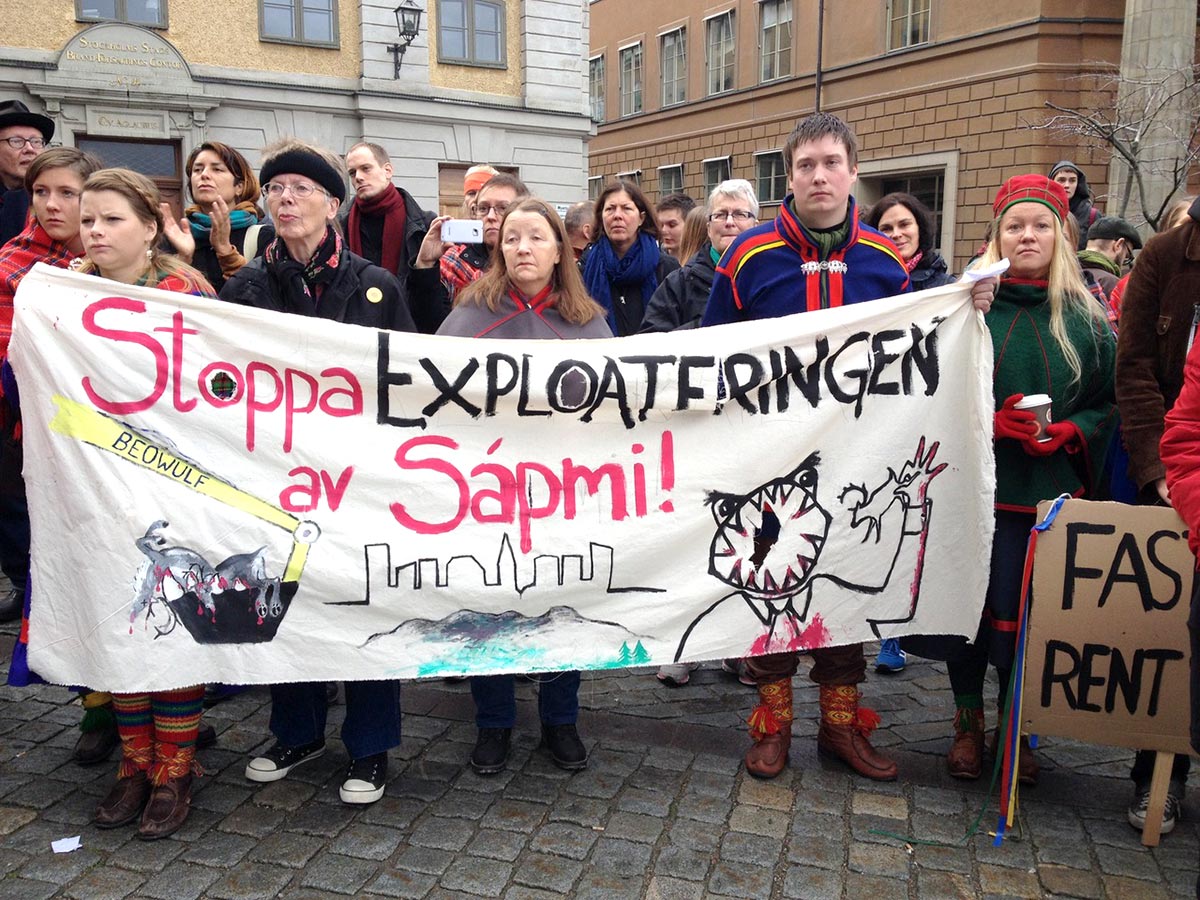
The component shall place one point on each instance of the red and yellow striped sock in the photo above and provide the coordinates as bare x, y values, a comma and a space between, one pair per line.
136, 728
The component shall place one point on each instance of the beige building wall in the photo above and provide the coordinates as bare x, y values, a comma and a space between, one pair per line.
960, 105
230, 40
506, 82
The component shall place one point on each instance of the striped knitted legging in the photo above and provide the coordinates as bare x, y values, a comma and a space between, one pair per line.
155, 727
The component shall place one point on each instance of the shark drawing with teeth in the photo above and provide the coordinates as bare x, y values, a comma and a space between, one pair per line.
768, 547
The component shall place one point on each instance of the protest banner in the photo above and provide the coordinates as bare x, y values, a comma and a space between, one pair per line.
1107, 647
225, 494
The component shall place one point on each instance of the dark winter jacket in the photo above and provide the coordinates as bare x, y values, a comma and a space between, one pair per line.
360, 294
930, 272
206, 260
427, 310
680, 300
511, 321
427, 290
1082, 208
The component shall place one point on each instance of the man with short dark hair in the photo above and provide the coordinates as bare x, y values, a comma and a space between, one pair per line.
670, 214
1110, 245
816, 254
23, 135
385, 225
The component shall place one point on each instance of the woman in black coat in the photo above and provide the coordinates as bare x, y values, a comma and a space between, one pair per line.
625, 266
909, 223
308, 271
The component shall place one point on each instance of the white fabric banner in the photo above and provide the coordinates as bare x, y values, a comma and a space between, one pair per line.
222, 494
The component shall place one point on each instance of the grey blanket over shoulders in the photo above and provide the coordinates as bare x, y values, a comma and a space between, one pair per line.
520, 322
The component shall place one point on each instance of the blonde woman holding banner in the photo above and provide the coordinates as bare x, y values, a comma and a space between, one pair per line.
1050, 338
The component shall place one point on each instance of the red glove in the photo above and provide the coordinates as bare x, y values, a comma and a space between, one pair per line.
1062, 435
1015, 424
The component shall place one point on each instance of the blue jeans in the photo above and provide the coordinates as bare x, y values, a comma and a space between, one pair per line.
372, 722
496, 702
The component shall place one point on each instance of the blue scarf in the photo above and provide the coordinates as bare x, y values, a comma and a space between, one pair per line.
602, 270
202, 223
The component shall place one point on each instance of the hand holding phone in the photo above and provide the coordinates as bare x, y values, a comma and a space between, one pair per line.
462, 231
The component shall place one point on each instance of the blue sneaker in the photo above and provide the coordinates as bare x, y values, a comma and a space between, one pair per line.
891, 658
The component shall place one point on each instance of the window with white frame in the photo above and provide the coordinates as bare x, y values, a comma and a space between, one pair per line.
716, 170
670, 180
909, 23
633, 176
720, 52
674, 66
151, 13
771, 176
776, 39
631, 79
471, 32
596, 87
298, 21
595, 186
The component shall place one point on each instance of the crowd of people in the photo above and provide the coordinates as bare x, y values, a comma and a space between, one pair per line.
1072, 318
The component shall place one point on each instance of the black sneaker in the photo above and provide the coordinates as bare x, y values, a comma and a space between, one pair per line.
565, 747
279, 760
206, 736
491, 750
1141, 806
365, 779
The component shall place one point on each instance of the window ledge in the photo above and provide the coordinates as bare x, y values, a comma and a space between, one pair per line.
300, 42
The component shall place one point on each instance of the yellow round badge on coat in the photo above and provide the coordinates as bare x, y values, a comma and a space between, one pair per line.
374, 295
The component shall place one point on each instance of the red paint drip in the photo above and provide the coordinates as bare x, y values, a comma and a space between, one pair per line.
667, 468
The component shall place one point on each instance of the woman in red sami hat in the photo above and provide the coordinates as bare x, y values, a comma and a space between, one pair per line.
1049, 336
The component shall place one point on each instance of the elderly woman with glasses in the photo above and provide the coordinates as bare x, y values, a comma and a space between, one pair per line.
680, 300
308, 271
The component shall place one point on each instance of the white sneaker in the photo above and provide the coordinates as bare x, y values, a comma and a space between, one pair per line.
677, 674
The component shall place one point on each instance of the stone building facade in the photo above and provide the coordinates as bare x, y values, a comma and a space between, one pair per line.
941, 93
144, 81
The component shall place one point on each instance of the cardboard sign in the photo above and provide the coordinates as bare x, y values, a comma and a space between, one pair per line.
225, 494
1107, 655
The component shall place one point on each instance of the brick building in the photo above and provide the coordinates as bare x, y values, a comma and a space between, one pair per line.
939, 92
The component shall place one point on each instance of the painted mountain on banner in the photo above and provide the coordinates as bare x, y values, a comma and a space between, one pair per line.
468, 642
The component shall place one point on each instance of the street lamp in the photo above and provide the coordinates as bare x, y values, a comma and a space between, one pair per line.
408, 23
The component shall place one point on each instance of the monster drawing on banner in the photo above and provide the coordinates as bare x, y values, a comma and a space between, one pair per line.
773, 544
233, 602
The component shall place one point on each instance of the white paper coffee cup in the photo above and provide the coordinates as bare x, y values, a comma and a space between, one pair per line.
1039, 405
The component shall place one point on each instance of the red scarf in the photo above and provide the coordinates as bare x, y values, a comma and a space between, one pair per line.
913, 261
389, 204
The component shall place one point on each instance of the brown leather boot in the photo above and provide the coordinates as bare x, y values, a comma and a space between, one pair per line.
771, 729
1028, 768
167, 809
124, 802
171, 797
844, 731
965, 759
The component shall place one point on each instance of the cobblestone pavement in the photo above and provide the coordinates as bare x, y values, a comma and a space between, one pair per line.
664, 809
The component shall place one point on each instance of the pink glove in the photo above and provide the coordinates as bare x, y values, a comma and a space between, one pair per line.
1063, 435
1015, 424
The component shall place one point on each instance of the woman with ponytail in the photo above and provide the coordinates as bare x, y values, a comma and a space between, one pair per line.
121, 227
